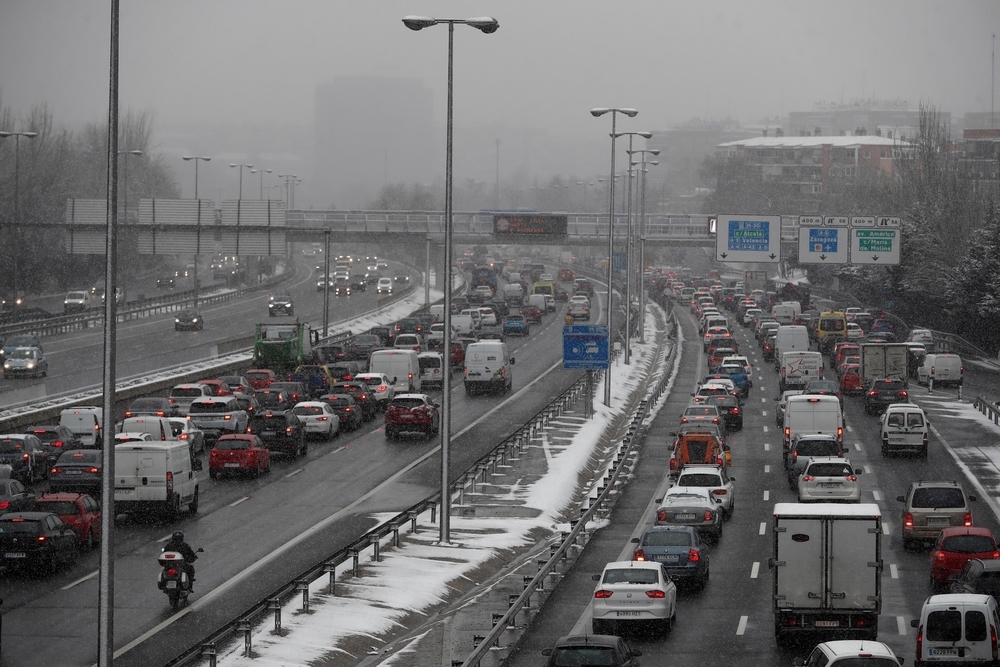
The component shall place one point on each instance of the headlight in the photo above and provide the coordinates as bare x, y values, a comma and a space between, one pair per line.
6, 365
30, 365
194, 319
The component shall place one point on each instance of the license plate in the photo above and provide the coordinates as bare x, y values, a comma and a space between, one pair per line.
74, 472
171, 584
667, 558
406, 416
232, 465
124, 490
826, 624
627, 613
15, 554
938, 521
269, 434
831, 485
952, 652
684, 517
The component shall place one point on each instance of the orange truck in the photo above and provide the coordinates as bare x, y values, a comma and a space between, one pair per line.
698, 448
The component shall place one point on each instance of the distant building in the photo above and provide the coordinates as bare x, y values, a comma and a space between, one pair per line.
979, 157
892, 119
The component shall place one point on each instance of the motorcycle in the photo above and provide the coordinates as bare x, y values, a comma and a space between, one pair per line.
173, 579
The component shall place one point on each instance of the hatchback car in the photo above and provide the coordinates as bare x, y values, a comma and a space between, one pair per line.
730, 408
634, 591
980, 577
362, 396
14, 497
714, 478
931, 506
347, 410
605, 650
36, 540
296, 391
955, 547
79, 471
79, 511
850, 653
407, 341
318, 418
273, 400
805, 446
678, 548
24, 454
701, 413
281, 432
829, 479
380, 387
412, 413
55, 439
695, 507
515, 325
188, 320
882, 393
239, 453
25, 362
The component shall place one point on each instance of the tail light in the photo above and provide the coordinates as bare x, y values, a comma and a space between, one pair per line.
904, 394
788, 433
602, 594
673, 464
323, 419
840, 433
26, 458
661, 515
57, 443
920, 642
638, 554
694, 556
213, 454
718, 461
719, 492
908, 520
4, 504
656, 595
128, 413
993, 640
172, 572
932, 370
42, 539
795, 456
968, 519
170, 486
92, 470
715, 420
708, 515
808, 478
288, 430
851, 478
227, 417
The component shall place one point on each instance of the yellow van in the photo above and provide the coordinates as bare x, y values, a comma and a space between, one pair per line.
831, 327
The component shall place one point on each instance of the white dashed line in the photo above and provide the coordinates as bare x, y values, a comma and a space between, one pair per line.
876, 495
294, 473
893, 572
885, 529
755, 570
763, 528
767, 468
858, 447
763, 413
767, 447
763, 400
765, 429
241, 500
742, 627
901, 625
849, 429
868, 470
767, 495
166, 539
81, 580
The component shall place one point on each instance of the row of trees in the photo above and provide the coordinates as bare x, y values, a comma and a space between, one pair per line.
57, 165
949, 272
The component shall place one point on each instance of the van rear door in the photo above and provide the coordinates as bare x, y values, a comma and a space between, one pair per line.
800, 563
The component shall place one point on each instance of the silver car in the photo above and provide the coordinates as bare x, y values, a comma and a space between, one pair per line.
829, 479
25, 362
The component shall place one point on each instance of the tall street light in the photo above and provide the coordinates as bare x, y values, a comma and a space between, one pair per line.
17, 200
628, 249
487, 25
289, 185
631, 113
262, 172
642, 236
197, 159
242, 167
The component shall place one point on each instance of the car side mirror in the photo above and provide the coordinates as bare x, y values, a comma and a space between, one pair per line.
901, 499
394, 380
547, 651
732, 479
858, 471
595, 577
972, 499
657, 500
915, 623
199, 550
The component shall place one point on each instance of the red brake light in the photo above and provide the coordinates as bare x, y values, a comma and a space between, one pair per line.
920, 642
656, 595
908, 520
661, 515
42, 539
4, 504
851, 478
92, 470
808, 478
694, 556
719, 492
795, 456
172, 572
708, 515
602, 594
638, 555
968, 519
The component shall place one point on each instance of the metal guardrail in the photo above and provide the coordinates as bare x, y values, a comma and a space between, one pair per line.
988, 408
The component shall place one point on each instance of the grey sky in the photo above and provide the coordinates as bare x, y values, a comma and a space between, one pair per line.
258, 62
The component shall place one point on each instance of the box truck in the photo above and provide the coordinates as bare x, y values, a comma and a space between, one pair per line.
883, 360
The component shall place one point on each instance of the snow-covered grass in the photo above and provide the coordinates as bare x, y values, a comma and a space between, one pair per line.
379, 603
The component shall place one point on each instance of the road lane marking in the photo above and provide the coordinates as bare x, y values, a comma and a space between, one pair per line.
885, 529
81, 580
294, 473
765, 429
849, 429
876, 495
339, 449
858, 447
901, 625
166, 539
763, 400
742, 627
241, 500
755, 570
893, 572
767, 446
763, 527
763, 413
767, 468
868, 469
767, 494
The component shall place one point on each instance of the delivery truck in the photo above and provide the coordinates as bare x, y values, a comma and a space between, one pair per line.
827, 571
883, 360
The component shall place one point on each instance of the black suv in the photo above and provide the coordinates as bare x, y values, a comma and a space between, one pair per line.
884, 392
806, 446
387, 334
280, 303
36, 539
28, 459
281, 432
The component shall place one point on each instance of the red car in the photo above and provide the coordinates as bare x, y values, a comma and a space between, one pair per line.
532, 314
78, 511
955, 547
566, 274
457, 354
239, 453
412, 413
260, 378
850, 379
219, 388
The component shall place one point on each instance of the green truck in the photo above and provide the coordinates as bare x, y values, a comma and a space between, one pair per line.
282, 347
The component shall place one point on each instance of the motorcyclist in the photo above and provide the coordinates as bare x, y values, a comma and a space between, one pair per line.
178, 544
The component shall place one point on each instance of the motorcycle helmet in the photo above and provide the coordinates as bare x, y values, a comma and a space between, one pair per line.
178, 536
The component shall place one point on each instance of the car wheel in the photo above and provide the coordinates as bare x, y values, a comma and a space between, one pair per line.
213, 474
923, 452
193, 506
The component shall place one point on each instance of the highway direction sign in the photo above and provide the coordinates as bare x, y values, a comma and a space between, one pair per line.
585, 347
823, 245
748, 238
878, 245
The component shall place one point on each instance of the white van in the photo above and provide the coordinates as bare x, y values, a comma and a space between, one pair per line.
158, 427
437, 310
957, 628
86, 422
156, 477
538, 300
904, 427
807, 414
786, 312
488, 367
402, 367
942, 368
790, 338
463, 325
431, 369
798, 367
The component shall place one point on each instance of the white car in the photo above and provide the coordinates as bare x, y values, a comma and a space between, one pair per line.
633, 591
750, 314
408, 342
488, 317
844, 652
384, 286
436, 332
716, 480
380, 386
318, 417
854, 332
828, 479
431, 369
738, 359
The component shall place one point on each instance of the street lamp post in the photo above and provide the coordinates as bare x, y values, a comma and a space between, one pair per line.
17, 199
631, 113
487, 25
194, 278
262, 172
628, 249
642, 236
290, 181
241, 166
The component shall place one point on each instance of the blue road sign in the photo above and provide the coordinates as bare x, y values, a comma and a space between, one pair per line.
823, 239
618, 261
585, 347
748, 238
749, 235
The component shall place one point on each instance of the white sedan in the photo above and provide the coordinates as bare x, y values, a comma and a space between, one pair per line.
829, 479
634, 591
318, 417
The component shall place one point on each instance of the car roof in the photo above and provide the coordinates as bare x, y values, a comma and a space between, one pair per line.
702, 469
414, 395
30, 516
632, 564
594, 640
967, 530
848, 647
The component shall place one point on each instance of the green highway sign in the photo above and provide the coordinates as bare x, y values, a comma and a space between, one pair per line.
878, 245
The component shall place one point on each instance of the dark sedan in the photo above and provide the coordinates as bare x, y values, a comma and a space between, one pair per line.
188, 320
14, 497
362, 346
26, 457
78, 471
36, 539
362, 395
55, 440
346, 408
884, 392
679, 548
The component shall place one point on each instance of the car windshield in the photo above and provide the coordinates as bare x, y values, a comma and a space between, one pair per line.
21, 353
931, 498
968, 544
583, 656
306, 410
235, 443
338, 401
62, 507
667, 538
631, 575
829, 470
183, 392
256, 375
699, 479
816, 448
187, 314
267, 423
212, 407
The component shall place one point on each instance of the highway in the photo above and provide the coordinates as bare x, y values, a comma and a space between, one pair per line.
730, 622
256, 533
